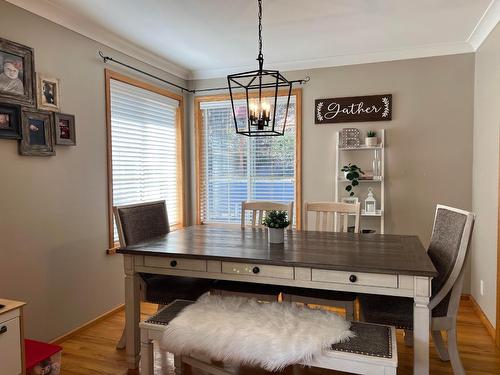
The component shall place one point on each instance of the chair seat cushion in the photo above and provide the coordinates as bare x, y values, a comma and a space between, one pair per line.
251, 288
320, 294
162, 289
396, 311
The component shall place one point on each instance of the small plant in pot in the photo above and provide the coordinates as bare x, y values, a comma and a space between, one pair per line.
352, 173
371, 139
276, 222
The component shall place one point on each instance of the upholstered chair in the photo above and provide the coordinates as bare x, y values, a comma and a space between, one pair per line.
141, 222
448, 251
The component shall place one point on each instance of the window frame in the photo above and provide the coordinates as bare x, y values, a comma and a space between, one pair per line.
181, 165
297, 92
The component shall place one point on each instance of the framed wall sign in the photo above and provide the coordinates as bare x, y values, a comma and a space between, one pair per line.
353, 109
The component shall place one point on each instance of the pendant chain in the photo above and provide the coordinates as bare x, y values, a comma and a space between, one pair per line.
260, 58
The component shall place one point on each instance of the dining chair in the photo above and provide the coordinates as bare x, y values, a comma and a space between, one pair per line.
144, 221
448, 251
261, 292
332, 217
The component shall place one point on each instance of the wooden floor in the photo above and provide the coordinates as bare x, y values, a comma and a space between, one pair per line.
92, 351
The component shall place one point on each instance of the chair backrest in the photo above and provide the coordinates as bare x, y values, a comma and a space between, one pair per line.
140, 222
259, 209
332, 216
448, 251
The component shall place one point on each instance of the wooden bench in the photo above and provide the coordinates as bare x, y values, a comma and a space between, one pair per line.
373, 351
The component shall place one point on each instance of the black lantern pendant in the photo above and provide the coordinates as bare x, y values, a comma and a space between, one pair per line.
261, 92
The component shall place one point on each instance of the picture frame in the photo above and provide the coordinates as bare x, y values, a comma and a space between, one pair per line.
64, 132
10, 121
48, 93
37, 133
17, 74
350, 200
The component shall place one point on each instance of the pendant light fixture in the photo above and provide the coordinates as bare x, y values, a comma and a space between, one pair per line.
261, 93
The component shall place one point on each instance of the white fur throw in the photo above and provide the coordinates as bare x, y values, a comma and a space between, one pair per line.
244, 331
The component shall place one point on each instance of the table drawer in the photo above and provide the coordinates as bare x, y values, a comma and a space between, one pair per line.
257, 270
176, 263
355, 278
10, 347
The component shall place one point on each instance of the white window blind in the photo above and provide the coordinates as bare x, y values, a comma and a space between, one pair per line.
237, 168
144, 147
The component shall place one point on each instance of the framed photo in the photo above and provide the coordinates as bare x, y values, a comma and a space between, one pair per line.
10, 121
38, 139
350, 200
48, 93
65, 129
17, 74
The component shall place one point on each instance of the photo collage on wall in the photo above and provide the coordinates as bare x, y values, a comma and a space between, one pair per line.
30, 105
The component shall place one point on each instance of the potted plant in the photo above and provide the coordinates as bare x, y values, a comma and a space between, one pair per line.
352, 173
276, 222
371, 139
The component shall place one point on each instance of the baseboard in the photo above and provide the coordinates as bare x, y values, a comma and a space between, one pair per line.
482, 317
84, 326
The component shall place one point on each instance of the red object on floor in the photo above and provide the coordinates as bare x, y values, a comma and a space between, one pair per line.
36, 351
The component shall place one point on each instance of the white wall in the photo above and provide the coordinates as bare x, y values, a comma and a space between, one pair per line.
53, 210
485, 173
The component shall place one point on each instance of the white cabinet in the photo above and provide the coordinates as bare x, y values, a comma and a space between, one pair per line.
11, 338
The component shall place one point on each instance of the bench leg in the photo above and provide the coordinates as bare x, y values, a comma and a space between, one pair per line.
147, 355
179, 366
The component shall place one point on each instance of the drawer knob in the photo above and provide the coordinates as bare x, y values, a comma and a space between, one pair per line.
3, 329
256, 270
173, 263
353, 278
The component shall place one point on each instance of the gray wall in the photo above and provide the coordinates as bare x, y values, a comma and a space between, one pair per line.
485, 175
53, 211
53, 216
429, 148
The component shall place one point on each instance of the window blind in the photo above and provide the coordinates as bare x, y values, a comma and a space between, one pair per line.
236, 168
144, 147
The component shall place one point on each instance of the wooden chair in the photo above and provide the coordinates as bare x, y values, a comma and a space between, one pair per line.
329, 217
259, 209
140, 222
261, 292
448, 251
332, 216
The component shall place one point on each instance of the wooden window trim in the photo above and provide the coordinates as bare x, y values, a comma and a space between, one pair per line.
109, 75
298, 146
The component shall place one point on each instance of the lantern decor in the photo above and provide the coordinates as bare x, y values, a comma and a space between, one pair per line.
261, 105
370, 203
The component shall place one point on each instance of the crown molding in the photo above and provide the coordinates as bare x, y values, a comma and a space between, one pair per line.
73, 22
485, 25
342, 60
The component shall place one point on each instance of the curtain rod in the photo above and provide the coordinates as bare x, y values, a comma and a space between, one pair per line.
107, 58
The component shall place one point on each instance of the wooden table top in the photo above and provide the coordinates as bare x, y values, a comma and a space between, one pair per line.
392, 254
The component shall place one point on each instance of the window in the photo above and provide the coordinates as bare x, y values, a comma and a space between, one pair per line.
232, 168
144, 147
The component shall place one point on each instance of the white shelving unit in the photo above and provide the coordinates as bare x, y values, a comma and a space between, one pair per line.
342, 158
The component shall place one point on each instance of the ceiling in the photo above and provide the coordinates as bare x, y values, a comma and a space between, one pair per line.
202, 39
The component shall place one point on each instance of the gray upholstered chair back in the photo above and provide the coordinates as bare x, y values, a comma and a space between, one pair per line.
140, 222
448, 250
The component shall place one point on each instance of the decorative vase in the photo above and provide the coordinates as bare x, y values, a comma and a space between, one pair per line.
276, 235
371, 141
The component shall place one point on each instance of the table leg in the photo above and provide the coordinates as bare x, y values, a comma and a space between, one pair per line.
421, 325
132, 312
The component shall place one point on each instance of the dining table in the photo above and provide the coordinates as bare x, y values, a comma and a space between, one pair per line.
383, 264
